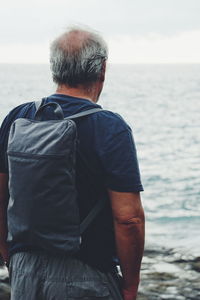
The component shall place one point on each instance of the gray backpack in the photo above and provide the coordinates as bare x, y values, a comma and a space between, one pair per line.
43, 209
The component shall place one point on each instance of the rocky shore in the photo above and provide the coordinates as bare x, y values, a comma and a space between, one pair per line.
4, 283
169, 274
166, 274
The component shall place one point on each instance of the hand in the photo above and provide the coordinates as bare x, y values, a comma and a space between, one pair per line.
4, 252
129, 294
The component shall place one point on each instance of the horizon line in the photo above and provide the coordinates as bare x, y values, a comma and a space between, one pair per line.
109, 63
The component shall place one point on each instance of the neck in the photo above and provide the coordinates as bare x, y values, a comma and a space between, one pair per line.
92, 93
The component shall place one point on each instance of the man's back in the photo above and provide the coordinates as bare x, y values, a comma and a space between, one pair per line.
104, 140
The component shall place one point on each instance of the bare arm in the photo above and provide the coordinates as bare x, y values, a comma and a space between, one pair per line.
128, 215
3, 215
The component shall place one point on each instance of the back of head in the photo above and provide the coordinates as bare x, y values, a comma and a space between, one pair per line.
77, 57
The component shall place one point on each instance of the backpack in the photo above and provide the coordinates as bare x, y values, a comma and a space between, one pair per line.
43, 209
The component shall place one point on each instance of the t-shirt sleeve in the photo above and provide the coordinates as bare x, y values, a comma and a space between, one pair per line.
118, 155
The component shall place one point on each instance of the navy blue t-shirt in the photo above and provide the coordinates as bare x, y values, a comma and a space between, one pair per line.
106, 159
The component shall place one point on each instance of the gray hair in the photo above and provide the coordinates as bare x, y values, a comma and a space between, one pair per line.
77, 57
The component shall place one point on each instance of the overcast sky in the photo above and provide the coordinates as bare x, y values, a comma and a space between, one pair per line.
137, 31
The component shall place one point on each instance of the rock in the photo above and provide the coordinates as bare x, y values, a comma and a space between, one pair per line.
4, 275
195, 264
4, 284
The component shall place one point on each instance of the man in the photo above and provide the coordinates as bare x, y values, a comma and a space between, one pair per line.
106, 166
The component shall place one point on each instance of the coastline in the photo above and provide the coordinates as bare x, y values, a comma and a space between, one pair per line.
168, 274
165, 274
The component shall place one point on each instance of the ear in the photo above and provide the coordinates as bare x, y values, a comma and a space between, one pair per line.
103, 71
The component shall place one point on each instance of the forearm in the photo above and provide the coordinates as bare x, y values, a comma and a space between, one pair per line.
130, 246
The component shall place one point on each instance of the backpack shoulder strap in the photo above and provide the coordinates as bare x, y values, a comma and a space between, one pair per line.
38, 104
101, 202
85, 113
75, 116
92, 214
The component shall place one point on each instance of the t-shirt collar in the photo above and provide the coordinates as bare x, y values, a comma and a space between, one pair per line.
67, 97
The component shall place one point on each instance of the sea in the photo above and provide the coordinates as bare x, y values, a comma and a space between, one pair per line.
161, 103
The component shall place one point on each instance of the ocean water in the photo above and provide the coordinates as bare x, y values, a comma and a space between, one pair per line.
162, 105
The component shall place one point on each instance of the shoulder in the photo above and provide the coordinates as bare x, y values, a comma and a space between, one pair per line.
14, 114
17, 112
109, 130
20, 110
110, 122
